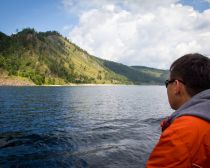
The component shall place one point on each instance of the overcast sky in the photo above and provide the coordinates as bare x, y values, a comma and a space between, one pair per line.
133, 32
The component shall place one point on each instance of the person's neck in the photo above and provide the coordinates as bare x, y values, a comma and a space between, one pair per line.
184, 99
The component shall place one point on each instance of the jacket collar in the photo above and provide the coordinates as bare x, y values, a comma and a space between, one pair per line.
198, 106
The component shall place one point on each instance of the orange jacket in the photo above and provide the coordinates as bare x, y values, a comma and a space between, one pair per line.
184, 144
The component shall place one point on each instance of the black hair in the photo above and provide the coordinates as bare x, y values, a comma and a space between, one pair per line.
194, 70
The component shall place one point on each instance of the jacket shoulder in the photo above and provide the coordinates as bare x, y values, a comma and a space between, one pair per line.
194, 132
190, 128
179, 143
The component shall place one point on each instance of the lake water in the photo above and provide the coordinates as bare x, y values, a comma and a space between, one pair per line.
97, 126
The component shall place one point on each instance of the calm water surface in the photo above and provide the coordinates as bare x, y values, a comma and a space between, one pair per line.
100, 126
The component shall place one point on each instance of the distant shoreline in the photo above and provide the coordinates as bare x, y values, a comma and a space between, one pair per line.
77, 85
8, 81
87, 84
13, 81
66, 85
21, 82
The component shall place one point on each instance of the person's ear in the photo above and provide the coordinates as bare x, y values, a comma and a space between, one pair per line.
177, 87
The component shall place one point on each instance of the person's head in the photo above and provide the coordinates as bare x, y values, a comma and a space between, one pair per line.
189, 75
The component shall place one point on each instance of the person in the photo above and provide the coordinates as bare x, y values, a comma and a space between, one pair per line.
185, 140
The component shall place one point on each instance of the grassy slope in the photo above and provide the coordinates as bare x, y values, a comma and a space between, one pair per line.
49, 58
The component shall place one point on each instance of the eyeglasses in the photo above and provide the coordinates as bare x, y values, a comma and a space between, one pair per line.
167, 82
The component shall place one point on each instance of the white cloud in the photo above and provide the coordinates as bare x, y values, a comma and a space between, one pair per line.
149, 33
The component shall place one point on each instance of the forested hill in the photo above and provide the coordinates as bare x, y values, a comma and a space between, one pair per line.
49, 58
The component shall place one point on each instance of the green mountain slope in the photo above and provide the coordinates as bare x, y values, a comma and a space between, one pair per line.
160, 75
138, 74
49, 58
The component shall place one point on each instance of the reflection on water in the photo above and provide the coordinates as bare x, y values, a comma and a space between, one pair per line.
115, 126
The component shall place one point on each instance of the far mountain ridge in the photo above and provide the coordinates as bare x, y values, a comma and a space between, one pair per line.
49, 58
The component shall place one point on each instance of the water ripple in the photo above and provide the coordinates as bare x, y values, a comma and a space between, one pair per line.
103, 127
